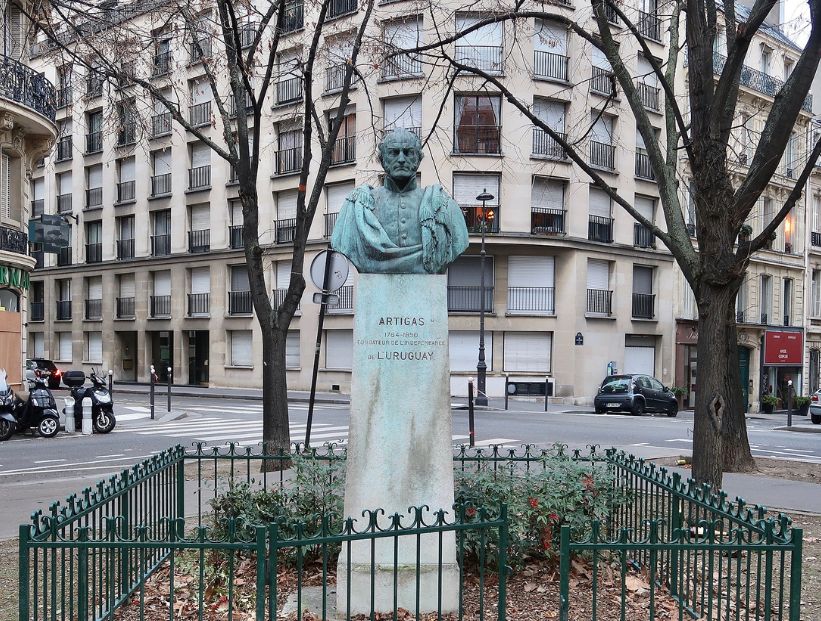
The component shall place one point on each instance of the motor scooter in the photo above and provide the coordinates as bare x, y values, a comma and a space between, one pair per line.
38, 411
102, 406
8, 422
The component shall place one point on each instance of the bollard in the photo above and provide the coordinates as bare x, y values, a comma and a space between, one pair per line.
152, 377
169, 389
471, 421
507, 388
87, 416
111, 382
69, 411
546, 391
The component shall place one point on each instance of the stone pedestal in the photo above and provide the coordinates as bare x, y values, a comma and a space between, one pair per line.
399, 451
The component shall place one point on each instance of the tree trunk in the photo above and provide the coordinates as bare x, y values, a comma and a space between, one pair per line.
275, 429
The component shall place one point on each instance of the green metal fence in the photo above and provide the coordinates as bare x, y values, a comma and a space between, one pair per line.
675, 547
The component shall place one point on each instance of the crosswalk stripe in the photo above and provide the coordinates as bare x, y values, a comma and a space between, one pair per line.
222, 426
229, 434
221, 429
496, 441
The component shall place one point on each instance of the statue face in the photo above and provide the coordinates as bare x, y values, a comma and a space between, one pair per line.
400, 157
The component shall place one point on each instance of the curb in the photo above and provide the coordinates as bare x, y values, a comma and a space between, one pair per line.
183, 393
801, 429
172, 416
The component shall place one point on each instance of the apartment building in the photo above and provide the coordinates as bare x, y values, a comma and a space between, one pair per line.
27, 108
155, 273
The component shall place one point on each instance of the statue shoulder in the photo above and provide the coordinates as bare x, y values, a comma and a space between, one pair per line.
363, 194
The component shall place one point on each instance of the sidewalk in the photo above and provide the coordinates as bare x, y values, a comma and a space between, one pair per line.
251, 394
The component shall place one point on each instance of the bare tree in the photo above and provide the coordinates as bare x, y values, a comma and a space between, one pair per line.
715, 266
240, 46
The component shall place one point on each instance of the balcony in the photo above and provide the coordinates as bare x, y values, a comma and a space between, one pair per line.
160, 245
199, 304
126, 191
64, 97
94, 253
643, 305
127, 134
162, 64
199, 241
286, 230
292, 18
37, 311
599, 302
475, 218
649, 95
289, 91
161, 124
544, 145
37, 207
200, 114
644, 170
345, 302
160, 306
125, 308
161, 184
337, 8
239, 303
64, 149
247, 34
649, 26
94, 310
29, 88
815, 239
401, 66
199, 178
603, 82
468, 299
610, 14
201, 48
94, 142
487, 58
477, 139
602, 155
125, 249
344, 151
289, 160
335, 78
550, 66
63, 310
544, 221
643, 237
330, 222
531, 300
235, 236
94, 197
64, 256
600, 229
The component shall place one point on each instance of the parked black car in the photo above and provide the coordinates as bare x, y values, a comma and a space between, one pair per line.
636, 394
46, 368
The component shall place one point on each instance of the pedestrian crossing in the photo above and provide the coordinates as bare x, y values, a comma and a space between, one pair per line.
217, 430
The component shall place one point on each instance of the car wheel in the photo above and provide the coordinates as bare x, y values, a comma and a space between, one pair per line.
672, 412
600, 410
816, 419
6, 429
48, 427
104, 421
638, 408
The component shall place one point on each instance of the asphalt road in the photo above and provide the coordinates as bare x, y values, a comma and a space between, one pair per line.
35, 471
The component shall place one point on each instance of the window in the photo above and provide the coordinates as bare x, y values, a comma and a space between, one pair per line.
161, 299
127, 130
289, 152
64, 186
405, 112
689, 309
199, 175
201, 96
94, 241
125, 237
37, 345
465, 190
643, 298
292, 349
602, 82
198, 300
552, 114
161, 180
241, 348
642, 236
766, 295
816, 293
600, 221
741, 302
94, 137
478, 124
547, 206
647, 84
766, 57
335, 196
789, 156
161, 238
94, 186
162, 54
64, 140
38, 192
463, 348
338, 349
14, 33
481, 48
239, 296
787, 300
789, 65
527, 351
64, 346
161, 120
9, 301
126, 187
201, 37
402, 35
599, 295
602, 151
550, 50
289, 82
93, 347
465, 284
344, 150
530, 285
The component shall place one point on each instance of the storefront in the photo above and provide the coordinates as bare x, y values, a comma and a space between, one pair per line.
14, 282
782, 361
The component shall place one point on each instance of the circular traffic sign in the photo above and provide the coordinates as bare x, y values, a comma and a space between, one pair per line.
337, 272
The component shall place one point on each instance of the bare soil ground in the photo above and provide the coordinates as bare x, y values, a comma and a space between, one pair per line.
8, 580
776, 468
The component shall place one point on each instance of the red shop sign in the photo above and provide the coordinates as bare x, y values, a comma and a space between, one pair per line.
785, 348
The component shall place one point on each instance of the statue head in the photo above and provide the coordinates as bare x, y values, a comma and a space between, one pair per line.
400, 154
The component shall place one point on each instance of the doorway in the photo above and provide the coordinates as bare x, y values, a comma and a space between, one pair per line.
128, 355
162, 353
744, 374
198, 357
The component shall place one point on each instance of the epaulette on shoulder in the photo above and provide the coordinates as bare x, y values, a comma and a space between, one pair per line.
362, 194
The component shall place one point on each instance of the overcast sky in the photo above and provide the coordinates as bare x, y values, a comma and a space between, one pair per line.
797, 20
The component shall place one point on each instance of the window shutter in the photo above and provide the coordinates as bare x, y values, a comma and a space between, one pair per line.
599, 203
162, 283
162, 222
5, 191
551, 112
37, 345
241, 348
463, 347
640, 141
338, 349
403, 35
95, 346
162, 162
292, 349
236, 213
64, 183
200, 280
200, 92
239, 278
200, 155
127, 286
642, 279
490, 34
602, 130
65, 345
645, 206
528, 351
288, 65
600, 60
550, 37
39, 189
16, 36
598, 274
640, 360
547, 193
645, 72
530, 271
127, 170
467, 187
286, 205
466, 272
200, 218
336, 195
95, 176
95, 288
403, 112
283, 274
94, 232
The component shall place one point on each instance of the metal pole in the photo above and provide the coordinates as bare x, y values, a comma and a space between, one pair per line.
322, 305
169, 388
471, 421
546, 392
481, 367
507, 394
111, 382
151, 391
789, 405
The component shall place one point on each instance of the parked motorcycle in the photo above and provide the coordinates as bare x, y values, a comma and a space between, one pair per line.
102, 406
8, 422
38, 411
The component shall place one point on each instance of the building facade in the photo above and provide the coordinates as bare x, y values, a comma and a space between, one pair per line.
27, 131
155, 273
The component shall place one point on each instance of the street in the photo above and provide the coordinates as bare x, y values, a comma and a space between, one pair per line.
35, 471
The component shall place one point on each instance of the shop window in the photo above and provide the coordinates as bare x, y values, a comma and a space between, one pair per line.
9, 301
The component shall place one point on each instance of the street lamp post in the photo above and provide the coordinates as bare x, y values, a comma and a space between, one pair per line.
481, 367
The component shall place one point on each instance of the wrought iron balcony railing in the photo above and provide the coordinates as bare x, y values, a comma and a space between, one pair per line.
94, 253
487, 58
239, 303
815, 239
94, 142
293, 16
477, 139
546, 146
63, 310
126, 191
125, 308
125, 249
199, 304
544, 221
549, 65
199, 177
200, 49
289, 160
402, 66
199, 241
31, 89
534, 300
477, 217
65, 96
345, 302
644, 170
344, 151
643, 237
127, 134
600, 228
286, 230
161, 124
330, 222
337, 8
649, 26
235, 236
649, 95
160, 245
289, 90
468, 299
335, 77
64, 149
37, 311
162, 64
643, 305
603, 81
602, 155
13, 240
94, 197
161, 184
160, 305
247, 34
94, 309
599, 301
200, 114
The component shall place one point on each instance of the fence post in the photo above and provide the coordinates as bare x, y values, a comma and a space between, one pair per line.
546, 391
675, 525
125, 533
170, 371
260, 530
82, 576
181, 487
564, 573
23, 579
768, 568
795, 573
273, 570
502, 605
507, 394
471, 419
151, 375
